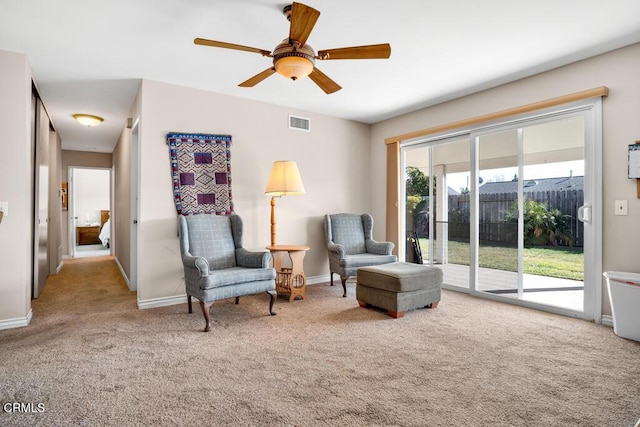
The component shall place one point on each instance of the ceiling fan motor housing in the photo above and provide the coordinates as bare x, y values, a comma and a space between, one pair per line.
293, 62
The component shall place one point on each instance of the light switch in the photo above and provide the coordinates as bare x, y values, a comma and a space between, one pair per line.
621, 207
4, 207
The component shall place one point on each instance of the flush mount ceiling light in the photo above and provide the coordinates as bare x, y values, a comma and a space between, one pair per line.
88, 120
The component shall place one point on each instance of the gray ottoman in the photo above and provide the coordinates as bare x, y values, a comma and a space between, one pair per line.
398, 287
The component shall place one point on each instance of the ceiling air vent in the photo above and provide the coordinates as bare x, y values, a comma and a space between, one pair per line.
299, 123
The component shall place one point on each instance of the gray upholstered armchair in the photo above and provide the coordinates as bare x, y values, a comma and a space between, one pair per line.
350, 245
216, 266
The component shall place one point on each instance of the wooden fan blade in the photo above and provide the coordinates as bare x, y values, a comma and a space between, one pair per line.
372, 51
213, 43
258, 78
325, 83
303, 18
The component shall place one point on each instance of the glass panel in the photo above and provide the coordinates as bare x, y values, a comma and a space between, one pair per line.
498, 213
437, 207
533, 251
451, 167
417, 189
553, 190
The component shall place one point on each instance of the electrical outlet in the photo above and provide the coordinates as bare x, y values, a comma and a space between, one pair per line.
4, 207
621, 207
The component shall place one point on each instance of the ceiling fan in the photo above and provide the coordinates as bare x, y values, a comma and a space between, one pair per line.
294, 59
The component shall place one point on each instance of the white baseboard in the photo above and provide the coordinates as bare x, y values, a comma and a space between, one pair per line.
18, 322
606, 320
182, 299
314, 280
124, 275
162, 302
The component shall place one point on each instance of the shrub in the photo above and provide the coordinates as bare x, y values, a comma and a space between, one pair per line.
542, 226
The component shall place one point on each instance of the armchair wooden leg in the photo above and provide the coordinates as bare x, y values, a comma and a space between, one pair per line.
331, 277
344, 285
237, 300
189, 303
273, 296
205, 306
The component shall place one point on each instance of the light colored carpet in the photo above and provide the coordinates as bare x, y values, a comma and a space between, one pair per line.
86, 251
92, 358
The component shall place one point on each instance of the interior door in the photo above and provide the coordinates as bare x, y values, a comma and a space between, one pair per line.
133, 266
41, 201
73, 216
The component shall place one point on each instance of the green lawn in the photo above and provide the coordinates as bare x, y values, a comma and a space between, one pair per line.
562, 262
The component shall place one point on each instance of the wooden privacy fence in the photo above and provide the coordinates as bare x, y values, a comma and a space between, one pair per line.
492, 210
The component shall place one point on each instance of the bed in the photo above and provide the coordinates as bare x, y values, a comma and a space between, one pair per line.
105, 228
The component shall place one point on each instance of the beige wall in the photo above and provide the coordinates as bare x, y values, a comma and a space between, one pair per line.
15, 188
618, 70
84, 159
333, 160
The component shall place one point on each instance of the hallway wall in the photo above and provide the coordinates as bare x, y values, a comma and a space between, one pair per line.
16, 234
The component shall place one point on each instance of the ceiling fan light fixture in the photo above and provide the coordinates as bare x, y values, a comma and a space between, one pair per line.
88, 120
294, 67
293, 62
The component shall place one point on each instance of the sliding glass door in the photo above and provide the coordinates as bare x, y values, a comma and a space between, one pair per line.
530, 239
511, 211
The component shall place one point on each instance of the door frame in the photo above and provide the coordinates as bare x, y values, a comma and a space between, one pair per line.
72, 218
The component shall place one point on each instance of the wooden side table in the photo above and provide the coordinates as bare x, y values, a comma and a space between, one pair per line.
88, 235
289, 280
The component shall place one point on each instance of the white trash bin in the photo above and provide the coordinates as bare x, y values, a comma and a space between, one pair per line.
624, 294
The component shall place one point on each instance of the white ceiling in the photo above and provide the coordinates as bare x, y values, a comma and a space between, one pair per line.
90, 56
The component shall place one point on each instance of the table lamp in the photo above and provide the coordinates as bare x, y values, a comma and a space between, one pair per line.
284, 180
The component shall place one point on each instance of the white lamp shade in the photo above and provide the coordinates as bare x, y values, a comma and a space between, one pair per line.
284, 179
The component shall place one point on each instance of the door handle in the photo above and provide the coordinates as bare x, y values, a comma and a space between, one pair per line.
135, 221
584, 214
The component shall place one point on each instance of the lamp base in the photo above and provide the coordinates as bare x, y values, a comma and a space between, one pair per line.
273, 221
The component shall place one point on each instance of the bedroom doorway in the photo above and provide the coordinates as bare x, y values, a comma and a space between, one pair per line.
90, 212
